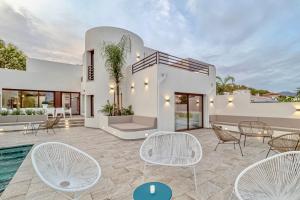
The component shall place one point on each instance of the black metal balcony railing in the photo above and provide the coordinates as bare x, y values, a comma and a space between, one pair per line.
173, 61
90, 75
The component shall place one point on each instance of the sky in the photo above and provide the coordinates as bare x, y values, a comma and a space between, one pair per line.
256, 41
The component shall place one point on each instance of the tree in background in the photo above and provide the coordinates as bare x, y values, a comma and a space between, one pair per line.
225, 85
298, 92
11, 57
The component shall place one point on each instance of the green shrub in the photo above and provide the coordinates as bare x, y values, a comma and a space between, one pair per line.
4, 112
127, 111
107, 109
16, 112
40, 112
30, 112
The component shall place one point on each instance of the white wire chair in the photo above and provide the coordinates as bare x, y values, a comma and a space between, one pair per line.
64, 168
274, 178
172, 149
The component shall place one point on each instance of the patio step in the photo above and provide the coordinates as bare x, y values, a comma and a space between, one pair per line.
63, 123
70, 122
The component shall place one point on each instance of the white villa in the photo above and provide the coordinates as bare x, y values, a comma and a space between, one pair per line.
168, 95
156, 84
160, 87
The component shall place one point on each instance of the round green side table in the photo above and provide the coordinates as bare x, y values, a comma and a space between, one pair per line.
162, 192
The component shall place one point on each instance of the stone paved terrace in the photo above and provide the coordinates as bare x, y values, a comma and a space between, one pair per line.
122, 167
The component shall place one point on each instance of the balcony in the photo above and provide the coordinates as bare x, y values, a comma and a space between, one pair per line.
173, 61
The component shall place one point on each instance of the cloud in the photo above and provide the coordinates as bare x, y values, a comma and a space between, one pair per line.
256, 41
37, 38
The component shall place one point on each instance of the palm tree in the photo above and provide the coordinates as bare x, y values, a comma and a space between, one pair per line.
298, 92
115, 55
225, 85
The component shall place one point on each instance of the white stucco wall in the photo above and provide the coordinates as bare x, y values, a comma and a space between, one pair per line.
178, 80
43, 75
143, 98
242, 106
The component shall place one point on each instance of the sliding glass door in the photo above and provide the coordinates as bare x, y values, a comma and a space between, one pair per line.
188, 111
71, 100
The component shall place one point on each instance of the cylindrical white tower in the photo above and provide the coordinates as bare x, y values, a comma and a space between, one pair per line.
97, 91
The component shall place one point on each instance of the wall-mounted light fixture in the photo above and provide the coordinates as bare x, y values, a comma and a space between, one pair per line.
146, 83
197, 103
167, 99
111, 88
297, 109
211, 101
230, 100
138, 56
132, 86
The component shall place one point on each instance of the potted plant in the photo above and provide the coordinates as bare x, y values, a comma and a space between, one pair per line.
45, 104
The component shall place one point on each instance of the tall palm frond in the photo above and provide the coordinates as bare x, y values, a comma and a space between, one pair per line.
115, 55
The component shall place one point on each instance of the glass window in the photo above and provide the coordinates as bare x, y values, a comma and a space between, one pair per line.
75, 103
11, 99
29, 99
48, 97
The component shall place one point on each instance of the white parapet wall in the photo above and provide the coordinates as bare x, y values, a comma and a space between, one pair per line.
240, 105
43, 75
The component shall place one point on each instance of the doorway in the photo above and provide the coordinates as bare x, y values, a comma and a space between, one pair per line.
188, 111
71, 100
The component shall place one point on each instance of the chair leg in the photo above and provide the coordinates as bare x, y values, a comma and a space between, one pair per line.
245, 141
144, 172
195, 178
37, 130
234, 145
263, 139
53, 131
268, 152
241, 149
217, 146
77, 196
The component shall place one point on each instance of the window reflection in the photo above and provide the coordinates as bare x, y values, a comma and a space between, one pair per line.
29, 99
10, 99
46, 97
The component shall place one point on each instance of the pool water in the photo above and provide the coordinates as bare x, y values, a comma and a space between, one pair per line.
11, 159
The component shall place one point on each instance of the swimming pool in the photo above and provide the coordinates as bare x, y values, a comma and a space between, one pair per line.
10, 160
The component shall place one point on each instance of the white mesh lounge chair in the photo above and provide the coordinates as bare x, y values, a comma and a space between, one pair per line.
50, 111
60, 111
69, 111
172, 149
65, 168
274, 178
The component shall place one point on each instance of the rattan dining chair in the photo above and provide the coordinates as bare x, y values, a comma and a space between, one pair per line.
225, 137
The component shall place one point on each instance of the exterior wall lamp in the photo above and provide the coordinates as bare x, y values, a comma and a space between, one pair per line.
132, 86
167, 99
111, 89
138, 56
197, 103
230, 100
297, 109
146, 83
211, 101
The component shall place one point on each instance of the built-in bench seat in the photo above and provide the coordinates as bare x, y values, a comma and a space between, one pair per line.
132, 123
129, 127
